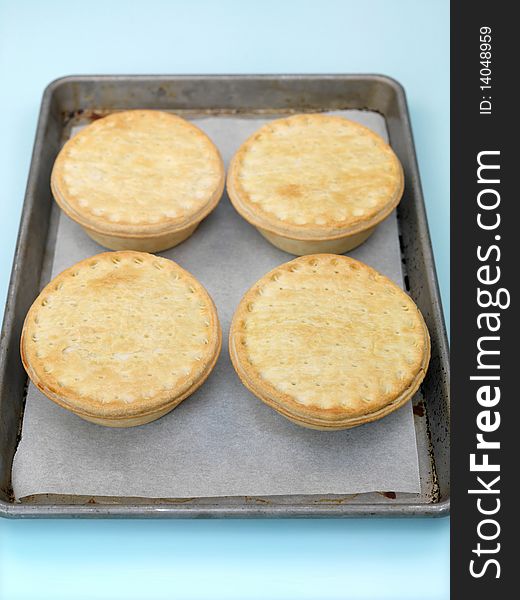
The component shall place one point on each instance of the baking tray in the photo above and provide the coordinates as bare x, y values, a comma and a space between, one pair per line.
86, 97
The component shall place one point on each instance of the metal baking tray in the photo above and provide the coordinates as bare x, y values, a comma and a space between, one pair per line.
86, 97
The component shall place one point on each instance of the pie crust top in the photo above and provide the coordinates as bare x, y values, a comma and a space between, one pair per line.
326, 339
138, 172
315, 176
121, 334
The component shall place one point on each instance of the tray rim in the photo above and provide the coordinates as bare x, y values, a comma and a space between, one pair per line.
168, 510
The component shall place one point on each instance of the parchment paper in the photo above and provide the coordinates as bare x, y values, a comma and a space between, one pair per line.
222, 441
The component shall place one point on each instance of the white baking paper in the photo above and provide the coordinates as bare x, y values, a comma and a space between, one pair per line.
222, 441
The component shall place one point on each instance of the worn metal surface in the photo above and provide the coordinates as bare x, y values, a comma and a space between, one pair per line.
74, 98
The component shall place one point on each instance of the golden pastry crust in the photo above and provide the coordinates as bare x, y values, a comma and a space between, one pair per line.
329, 342
315, 177
138, 173
121, 335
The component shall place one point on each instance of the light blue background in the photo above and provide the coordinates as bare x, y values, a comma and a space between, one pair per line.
153, 560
